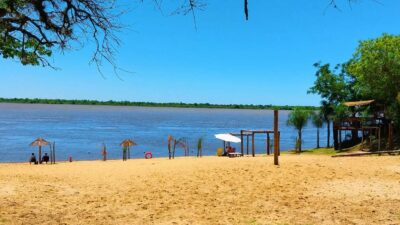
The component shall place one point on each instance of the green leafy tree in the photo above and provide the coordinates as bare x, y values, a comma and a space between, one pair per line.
330, 85
318, 122
375, 66
298, 119
334, 87
341, 112
327, 113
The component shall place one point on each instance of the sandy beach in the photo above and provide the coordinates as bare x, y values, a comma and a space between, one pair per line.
304, 189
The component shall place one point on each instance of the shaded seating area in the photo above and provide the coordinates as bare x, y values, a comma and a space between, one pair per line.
40, 142
245, 136
228, 150
373, 132
234, 154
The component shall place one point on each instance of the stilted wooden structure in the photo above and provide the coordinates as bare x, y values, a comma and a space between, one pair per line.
252, 134
376, 125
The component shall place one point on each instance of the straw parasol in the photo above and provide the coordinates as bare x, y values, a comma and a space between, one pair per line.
40, 142
128, 143
359, 103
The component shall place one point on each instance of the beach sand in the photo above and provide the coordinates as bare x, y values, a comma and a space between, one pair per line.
304, 189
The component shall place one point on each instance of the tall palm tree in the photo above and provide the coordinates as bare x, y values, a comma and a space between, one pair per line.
327, 112
318, 122
298, 119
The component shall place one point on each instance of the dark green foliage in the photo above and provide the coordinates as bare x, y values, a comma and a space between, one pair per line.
341, 112
298, 118
317, 119
376, 68
149, 104
332, 87
318, 122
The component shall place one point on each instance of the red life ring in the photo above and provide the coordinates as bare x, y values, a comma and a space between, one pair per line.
148, 155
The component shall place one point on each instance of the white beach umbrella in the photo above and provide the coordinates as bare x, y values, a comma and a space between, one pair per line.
228, 138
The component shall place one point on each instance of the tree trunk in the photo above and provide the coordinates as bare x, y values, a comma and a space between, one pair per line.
317, 137
300, 141
173, 150
328, 141
335, 139
40, 154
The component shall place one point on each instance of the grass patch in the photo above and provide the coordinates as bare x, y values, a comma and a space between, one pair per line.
327, 151
320, 151
315, 151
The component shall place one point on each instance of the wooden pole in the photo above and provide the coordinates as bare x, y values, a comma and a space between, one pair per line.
362, 138
54, 152
40, 154
247, 147
379, 139
276, 138
268, 144
252, 145
390, 136
241, 141
51, 153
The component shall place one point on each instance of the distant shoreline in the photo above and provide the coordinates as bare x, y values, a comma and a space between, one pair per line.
150, 104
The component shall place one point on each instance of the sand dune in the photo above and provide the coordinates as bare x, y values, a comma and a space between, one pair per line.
305, 189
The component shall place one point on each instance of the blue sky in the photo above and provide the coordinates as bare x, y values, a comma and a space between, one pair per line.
266, 60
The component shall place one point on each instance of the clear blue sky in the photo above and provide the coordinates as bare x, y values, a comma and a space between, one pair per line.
266, 60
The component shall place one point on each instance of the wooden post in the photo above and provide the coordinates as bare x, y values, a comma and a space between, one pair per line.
370, 138
40, 154
276, 138
54, 152
247, 147
252, 144
390, 136
362, 138
51, 153
268, 144
379, 138
241, 141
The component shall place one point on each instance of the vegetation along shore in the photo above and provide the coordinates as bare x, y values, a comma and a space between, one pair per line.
151, 104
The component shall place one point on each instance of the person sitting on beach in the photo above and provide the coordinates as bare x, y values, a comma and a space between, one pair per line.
33, 159
230, 149
45, 158
124, 151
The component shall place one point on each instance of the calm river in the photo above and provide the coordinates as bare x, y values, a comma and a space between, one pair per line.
79, 131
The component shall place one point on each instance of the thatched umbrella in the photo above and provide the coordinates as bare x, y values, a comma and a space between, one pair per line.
40, 142
127, 143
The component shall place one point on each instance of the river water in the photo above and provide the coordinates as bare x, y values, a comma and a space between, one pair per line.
79, 131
